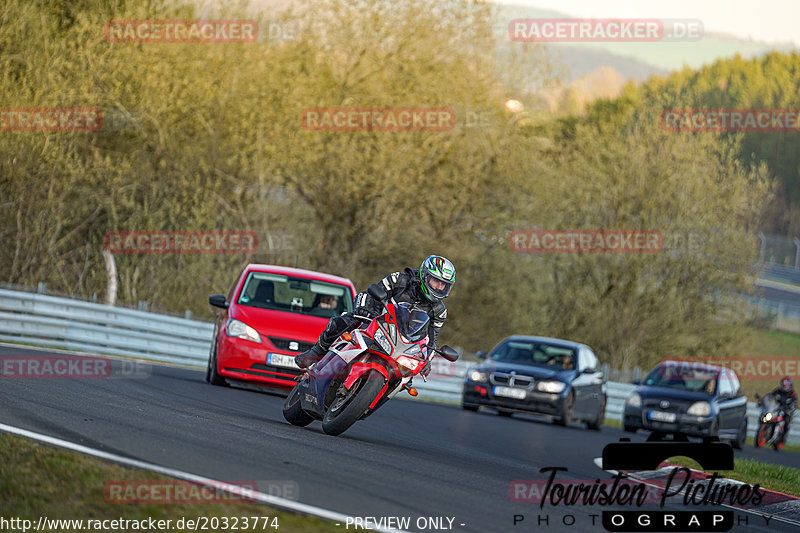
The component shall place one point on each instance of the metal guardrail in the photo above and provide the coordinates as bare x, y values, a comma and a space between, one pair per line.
95, 328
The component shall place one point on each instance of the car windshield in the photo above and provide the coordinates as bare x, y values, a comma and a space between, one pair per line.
412, 322
553, 356
295, 295
689, 379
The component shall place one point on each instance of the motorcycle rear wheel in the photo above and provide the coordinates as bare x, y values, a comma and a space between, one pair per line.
347, 409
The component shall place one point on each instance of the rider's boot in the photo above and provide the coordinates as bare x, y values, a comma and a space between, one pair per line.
311, 356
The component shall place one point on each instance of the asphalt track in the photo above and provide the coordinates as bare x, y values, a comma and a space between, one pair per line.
410, 459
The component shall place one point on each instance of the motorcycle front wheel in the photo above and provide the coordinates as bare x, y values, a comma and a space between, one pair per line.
350, 405
293, 412
762, 435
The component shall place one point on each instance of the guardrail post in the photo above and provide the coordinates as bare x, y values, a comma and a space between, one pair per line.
41, 288
188, 315
637, 374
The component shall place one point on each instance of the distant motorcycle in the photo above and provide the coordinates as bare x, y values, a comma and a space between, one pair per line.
364, 368
771, 422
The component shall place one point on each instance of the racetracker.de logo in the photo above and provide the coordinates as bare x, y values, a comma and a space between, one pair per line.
178, 492
631, 30
181, 242
378, 118
54, 367
612, 241
751, 368
51, 119
730, 120
181, 31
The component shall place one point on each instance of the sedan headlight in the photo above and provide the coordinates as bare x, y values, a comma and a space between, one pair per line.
477, 375
553, 387
239, 329
634, 401
380, 338
699, 409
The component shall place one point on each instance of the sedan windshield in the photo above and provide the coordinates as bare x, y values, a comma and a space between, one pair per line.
553, 356
693, 380
296, 295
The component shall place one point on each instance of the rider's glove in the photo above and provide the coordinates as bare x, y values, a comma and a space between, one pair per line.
426, 370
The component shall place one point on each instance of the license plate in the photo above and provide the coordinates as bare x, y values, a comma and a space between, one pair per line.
279, 359
661, 416
510, 392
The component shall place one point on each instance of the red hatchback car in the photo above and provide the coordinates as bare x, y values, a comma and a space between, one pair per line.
272, 314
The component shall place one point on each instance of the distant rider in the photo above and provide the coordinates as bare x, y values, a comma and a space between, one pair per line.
785, 395
426, 288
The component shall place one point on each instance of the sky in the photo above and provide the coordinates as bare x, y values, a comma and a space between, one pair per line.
770, 21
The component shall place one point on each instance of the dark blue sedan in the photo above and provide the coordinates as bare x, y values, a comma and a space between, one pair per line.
689, 398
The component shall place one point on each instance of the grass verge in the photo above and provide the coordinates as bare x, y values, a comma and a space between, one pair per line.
768, 475
38, 480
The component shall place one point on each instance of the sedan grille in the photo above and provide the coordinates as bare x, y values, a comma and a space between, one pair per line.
288, 344
512, 380
670, 406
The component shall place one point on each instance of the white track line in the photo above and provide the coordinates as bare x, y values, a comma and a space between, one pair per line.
275, 501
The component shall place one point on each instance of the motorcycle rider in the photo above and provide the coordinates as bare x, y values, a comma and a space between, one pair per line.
785, 395
426, 288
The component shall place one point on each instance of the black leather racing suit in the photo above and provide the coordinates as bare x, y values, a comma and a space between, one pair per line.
788, 400
403, 287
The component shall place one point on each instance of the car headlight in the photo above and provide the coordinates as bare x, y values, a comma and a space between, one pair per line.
477, 375
634, 400
699, 409
239, 329
553, 387
380, 338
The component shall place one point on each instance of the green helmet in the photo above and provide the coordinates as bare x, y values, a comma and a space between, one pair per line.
441, 269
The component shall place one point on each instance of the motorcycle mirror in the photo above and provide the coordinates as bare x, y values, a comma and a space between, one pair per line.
448, 353
378, 292
480, 354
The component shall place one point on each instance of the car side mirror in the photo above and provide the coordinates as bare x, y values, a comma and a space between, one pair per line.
218, 300
449, 353
378, 292
480, 354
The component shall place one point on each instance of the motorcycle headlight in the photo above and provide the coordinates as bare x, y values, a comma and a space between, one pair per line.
239, 329
768, 417
553, 387
699, 409
634, 400
380, 338
408, 362
477, 375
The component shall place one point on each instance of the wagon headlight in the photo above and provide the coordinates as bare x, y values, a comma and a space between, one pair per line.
634, 400
699, 409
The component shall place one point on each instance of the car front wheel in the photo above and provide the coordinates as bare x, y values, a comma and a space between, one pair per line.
212, 375
741, 436
566, 410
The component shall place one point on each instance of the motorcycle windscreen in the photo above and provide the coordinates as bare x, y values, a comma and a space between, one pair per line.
412, 322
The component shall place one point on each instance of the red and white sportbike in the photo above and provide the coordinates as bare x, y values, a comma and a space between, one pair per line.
364, 368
